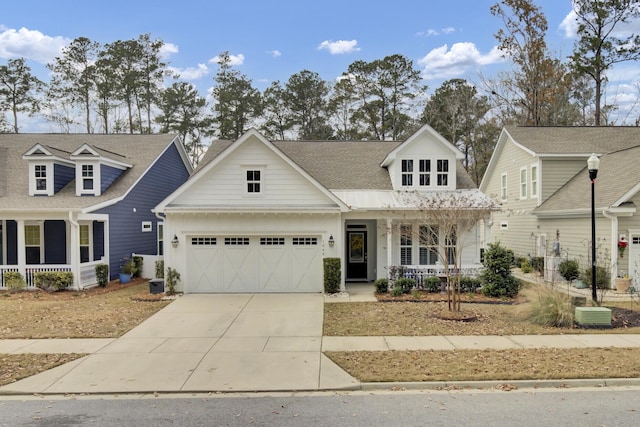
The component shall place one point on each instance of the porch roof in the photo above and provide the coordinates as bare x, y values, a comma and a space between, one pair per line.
384, 200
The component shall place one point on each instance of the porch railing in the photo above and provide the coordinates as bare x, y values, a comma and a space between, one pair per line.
420, 272
86, 278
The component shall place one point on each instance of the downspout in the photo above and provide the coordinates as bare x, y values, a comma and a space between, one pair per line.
75, 249
614, 247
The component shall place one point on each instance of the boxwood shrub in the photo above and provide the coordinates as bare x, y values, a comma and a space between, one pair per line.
52, 281
332, 275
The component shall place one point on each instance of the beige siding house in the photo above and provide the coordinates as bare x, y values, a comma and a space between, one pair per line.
539, 177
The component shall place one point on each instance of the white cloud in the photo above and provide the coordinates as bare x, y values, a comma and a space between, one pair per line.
434, 32
167, 50
30, 44
448, 30
191, 73
443, 62
233, 59
339, 47
569, 26
275, 53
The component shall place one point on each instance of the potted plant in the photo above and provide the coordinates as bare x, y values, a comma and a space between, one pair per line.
622, 245
623, 283
127, 269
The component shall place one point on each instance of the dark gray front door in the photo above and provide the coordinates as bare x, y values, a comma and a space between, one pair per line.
357, 255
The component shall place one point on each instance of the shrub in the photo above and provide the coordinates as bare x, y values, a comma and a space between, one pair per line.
160, 269
602, 277
525, 266
14, 281
432, 284
331, 275
137, 262
496, 278
127, 266
549, 308
102, 274
172, 279
569, 269
382, 285
52, 281
537, 262
469, 284
404, 284
396, 292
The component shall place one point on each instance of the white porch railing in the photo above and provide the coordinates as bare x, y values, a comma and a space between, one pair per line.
86, 278
419, 272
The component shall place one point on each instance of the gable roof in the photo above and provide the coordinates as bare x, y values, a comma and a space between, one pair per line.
141, 151
618, 180
340, 165
555, 141
426, 129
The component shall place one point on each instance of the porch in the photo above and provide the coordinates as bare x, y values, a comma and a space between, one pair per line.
86, 278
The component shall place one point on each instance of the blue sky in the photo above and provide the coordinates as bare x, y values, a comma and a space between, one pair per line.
271, 40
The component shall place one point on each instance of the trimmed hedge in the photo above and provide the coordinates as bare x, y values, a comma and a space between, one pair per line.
52, 281
405, 285
137, 261
332, 273
14, 281
102, 274
432, 284
382, 285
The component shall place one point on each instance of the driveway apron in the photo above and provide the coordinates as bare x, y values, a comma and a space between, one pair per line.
199, 343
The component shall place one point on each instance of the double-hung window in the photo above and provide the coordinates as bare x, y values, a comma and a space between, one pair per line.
523, 183
87, 177
428, 244
424, 172
254, 181
442, 172
32, 243
407, 172
534, 180
84, 243
406, 244
40, 172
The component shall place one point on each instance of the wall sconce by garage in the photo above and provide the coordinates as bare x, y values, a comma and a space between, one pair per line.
175, 241
331, 241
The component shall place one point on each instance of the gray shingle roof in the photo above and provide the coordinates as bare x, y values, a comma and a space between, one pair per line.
575, 140
139, 150
340, 165
618, 173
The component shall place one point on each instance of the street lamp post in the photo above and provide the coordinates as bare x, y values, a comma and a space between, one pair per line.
592, 164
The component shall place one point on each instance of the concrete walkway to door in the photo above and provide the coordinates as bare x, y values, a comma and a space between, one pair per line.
201, 343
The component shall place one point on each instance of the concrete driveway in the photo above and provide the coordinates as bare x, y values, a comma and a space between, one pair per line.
232, 342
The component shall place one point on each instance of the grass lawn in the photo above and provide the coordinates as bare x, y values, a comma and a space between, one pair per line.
95, 313
424, 319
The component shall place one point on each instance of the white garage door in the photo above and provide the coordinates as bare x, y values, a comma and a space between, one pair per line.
218, 264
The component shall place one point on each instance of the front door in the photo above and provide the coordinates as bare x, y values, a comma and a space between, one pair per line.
357, 255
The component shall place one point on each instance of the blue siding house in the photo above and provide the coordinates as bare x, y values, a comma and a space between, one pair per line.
69, 202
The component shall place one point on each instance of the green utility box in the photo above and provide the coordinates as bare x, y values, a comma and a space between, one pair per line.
593, 316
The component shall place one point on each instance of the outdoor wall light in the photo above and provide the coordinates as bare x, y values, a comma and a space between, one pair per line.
331, 241
175, 241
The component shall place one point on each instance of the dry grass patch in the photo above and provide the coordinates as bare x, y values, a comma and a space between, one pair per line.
485, 365
14, 367
95, 313
420, 319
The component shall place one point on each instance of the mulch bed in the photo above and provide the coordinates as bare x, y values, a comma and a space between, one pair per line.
66, 295
425, 296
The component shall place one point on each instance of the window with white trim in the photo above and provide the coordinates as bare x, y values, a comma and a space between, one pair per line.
203, 241
147, 226
236, 241
407, 172
424, 172
523, 183
406, 244
160, 229
84, 243
503, 187
429, 240
254, 181
450, 243
443, 172
32, 242
304, 241
534, 180
272, 241
40, 172
87, 177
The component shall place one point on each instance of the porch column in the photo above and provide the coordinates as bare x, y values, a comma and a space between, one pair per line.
21, 248
614, 249
74, 245
389, 243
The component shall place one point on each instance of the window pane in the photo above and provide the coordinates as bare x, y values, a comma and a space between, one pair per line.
32, 235
84, 234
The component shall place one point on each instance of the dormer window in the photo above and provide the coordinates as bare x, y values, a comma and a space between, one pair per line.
87, 177
443, 173
407, 173
425, 172
40, 172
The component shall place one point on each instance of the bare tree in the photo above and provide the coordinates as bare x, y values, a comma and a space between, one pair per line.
446, 220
